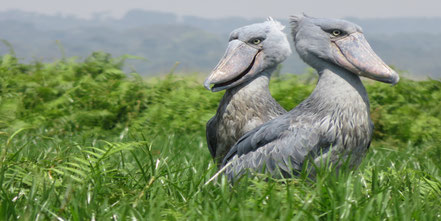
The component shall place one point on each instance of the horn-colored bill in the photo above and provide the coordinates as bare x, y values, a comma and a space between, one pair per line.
355, 54
237, 65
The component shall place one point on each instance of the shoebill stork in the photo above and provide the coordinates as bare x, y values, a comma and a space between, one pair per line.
333, 123
253, 53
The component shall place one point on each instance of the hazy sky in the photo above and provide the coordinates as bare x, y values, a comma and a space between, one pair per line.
242, 8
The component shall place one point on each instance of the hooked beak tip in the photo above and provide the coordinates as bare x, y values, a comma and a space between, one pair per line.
207, 84
395, 79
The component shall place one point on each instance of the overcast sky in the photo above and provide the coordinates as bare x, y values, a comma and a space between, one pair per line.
242, 8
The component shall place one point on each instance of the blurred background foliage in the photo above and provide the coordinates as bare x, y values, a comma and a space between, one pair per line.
69, 96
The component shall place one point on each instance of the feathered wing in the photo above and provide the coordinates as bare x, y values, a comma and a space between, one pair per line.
211, 137
279, 146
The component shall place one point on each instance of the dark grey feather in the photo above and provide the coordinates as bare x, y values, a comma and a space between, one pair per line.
211, 136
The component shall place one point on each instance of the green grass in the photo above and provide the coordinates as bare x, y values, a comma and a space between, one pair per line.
81, 141
164, 179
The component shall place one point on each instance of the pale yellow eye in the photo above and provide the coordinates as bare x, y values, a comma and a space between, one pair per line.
336, 32
256, 41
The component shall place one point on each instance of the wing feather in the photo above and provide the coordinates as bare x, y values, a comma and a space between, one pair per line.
278, 146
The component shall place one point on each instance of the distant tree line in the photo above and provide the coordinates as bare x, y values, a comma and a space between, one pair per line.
162, 39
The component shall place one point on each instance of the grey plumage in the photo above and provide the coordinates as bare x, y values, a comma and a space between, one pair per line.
240, 110
247, 102
333, 123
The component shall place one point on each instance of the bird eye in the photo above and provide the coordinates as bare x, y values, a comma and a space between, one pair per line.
336, 32
256, 41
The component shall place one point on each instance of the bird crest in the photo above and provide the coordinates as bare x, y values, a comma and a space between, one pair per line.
276, 23
295, 21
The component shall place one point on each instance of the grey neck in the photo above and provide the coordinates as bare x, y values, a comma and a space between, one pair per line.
337, 90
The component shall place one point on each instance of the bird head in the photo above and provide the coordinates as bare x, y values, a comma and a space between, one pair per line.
251, 50
321, 41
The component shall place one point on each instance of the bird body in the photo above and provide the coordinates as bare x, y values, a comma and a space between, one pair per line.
311, 130
333, 124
